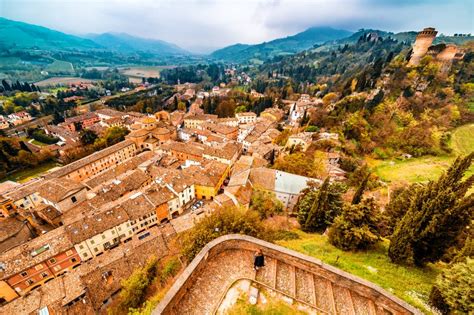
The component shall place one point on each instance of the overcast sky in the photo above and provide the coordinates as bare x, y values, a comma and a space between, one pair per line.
202, 25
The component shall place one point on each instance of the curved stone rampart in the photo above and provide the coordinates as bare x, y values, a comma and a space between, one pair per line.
199, 289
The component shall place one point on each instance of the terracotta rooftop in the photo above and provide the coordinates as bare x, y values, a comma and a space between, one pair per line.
58, 189
31, 253
65, 170
95, 223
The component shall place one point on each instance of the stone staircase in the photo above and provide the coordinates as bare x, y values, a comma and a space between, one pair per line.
228, 261
315, 291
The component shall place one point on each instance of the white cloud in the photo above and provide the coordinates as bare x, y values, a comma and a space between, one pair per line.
216, 23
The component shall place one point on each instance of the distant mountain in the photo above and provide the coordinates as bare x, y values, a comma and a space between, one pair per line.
125, 43
19, 35
281, 46
24, 36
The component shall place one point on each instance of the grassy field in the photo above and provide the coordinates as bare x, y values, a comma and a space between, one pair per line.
135, 74
428, 167
30, 173
60, 66
408, 283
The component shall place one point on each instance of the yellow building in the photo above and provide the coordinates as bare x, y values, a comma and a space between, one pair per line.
6, 207
208, 179
6, 293
272, 114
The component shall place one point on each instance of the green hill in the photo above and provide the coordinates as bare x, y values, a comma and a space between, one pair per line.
281, 46
125, 43
19, 35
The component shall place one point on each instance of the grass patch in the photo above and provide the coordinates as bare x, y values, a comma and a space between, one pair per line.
426, 168
411, 284
462, 139
411, 170
30, 173
273, 306
38, 143
60, 66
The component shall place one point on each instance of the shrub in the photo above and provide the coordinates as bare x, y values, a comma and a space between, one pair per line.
356, 227
265, 203
311, 129
40, 136
451, 294
221, 222
134, 288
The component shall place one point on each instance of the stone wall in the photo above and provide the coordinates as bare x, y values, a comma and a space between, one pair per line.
171, 302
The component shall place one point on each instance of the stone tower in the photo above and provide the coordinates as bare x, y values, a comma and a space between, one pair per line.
423, 41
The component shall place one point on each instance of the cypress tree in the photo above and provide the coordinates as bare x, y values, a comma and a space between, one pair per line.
360, 190
398, 206
318, 208
438, 213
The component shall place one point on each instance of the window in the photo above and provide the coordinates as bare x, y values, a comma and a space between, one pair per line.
96, 249
44, 275
52, 261
103, 236
69, 252
29, 282
113, 231
57, 268
73, 199
92, 242
24, 274
81, 246
119, 228
85, 254
39, 267
73, 260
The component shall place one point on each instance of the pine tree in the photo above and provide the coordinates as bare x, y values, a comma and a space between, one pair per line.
356, 227
318, 207
438, 213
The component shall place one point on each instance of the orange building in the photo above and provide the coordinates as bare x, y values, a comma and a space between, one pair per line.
31, 265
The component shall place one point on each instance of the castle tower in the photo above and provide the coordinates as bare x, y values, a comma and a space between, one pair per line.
423, 41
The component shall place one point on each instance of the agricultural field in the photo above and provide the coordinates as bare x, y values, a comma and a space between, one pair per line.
60, 66
428, 167
54, 81
372, 265
135, 74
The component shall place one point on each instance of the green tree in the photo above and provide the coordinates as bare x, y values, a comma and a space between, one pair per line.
221, 222
360, 190
134, 288
265, 203
88, 136
357, 226
317, 208
439, 211
114, 135
452, 293
397, 207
